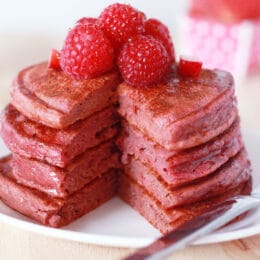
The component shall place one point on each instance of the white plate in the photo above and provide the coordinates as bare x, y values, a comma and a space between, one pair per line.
116, 224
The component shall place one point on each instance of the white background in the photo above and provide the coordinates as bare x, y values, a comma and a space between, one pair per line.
58, 15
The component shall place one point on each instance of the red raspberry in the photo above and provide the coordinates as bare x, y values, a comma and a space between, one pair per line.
160, 32
54, 60
87, 20
120, 22
86, 52
143, 61
189, 67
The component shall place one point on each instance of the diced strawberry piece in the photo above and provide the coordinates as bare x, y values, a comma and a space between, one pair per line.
54, 60
189, 67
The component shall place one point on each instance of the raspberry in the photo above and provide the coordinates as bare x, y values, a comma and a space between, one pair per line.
160, 32
120, 22
189, 67
87, 20
54, 60
86, 52
143, 61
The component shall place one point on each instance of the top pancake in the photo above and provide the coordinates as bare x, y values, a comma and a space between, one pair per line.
181, 113
56, 100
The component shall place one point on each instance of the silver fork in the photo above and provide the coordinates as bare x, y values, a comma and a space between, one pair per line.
198, 227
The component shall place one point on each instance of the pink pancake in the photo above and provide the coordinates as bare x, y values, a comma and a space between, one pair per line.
54, 99
61, 182
231, 174
177, 168
57, 147
171, 219
181, 113
52, 211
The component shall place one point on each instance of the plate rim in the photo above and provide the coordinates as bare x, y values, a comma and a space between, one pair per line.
120, 241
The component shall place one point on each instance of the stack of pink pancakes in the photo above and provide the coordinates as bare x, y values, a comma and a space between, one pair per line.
61, 133
182, 147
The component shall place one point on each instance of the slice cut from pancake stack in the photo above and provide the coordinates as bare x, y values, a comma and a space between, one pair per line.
61, 132
182, 147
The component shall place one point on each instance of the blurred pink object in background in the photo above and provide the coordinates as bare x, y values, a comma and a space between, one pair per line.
224, 34
254, 61
227, 11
